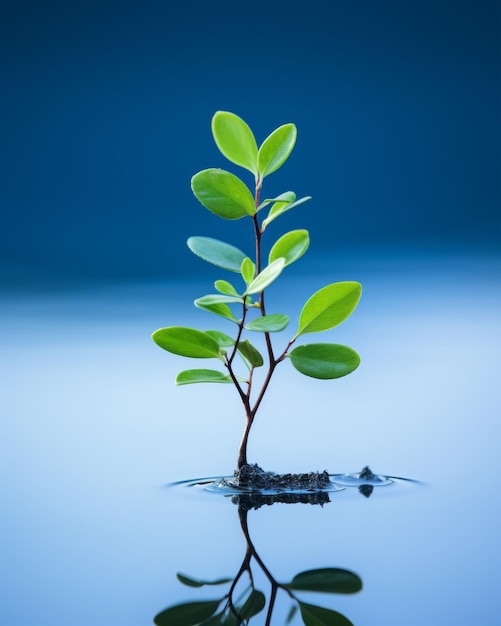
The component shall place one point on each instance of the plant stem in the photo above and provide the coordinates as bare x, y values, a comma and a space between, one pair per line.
242, 451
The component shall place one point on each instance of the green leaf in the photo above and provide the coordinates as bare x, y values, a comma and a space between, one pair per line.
266, 277
327, 580
253, 605
248, 270
290, 246
324, 360
201, 376
187, 614
224, 340
193, 582
268, 323
223, 310
223, 193
223, 286
250, 353
280, 207
328, 307
217, 252
235, 140
187, 342
284, 198
317, 616
217, 298
275, 149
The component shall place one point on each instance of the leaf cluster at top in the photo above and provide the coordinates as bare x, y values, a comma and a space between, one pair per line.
227, 196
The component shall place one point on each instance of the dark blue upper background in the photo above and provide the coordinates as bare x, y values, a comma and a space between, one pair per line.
106, 109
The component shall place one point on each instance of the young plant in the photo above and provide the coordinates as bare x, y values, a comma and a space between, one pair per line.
242, 305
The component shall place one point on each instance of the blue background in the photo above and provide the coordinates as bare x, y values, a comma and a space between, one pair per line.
104, 117
106, 111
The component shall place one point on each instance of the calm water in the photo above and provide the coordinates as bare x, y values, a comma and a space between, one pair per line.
93, 431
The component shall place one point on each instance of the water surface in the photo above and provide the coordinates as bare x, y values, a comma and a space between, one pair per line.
93, 431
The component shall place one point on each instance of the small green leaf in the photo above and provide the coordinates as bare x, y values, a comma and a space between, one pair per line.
266, 277
223, 286
187, 342
235, 140
193, 582
217, 298
317, 616
327, 580
273, 323
290, 246
328, 307
217, 252
284, 198
250, 353
248, 270
275, 149
280, 207
187, 614
324, 360
253, 605
223, 193
201, 376
223, 310
224, 340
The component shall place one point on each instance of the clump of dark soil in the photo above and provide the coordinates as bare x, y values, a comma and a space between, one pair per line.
254, 477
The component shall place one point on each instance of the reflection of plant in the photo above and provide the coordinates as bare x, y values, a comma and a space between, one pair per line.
225, 195
234, 611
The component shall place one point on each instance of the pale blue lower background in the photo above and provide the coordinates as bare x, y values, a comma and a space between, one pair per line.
93, 427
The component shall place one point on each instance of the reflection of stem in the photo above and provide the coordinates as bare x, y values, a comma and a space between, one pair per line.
251, 552
273, 597
245, 567
240, 606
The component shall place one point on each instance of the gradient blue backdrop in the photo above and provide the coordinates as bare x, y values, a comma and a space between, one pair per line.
106, 108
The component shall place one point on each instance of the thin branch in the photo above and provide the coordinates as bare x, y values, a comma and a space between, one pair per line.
240, 331
244, 397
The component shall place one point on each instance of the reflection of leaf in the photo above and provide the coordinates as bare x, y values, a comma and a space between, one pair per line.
291, 614
317, 616
253, 605
193, 582
328, 580
215, 620
187, 614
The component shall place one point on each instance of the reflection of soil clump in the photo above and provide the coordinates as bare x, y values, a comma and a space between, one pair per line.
254, 477
250, 501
